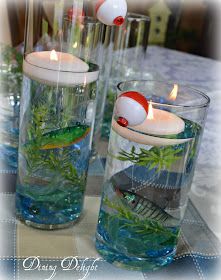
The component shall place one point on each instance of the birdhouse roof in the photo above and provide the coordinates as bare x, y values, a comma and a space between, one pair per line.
160, 6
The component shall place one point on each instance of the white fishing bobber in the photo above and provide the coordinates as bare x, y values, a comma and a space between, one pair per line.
111, 12
131, 108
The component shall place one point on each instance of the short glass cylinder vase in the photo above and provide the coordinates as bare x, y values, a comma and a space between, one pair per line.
149, 172
57, 116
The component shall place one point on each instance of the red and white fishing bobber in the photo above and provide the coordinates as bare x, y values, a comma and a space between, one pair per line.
131, 108
111, 12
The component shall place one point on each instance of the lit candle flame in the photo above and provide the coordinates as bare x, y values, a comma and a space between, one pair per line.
85, 81
75, 45
150, 115
173, 94
53, 55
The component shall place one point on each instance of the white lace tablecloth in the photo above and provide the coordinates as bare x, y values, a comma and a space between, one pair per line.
201, 72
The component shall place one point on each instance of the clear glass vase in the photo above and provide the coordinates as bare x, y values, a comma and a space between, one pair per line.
10, 93
105, 68
130, 44
148, 176
57, 114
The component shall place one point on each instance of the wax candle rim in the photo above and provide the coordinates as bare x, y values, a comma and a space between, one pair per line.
142, 138
156, 135
66, 78
92, 67
162, 132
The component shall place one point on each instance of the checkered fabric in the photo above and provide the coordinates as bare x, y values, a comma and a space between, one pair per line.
198, 254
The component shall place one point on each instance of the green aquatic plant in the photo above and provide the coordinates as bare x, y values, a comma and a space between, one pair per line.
44, 118
47, 129
58, 163
55, 162
39, 117
147, 229
12, 57
11, 62
160, 158
61, 162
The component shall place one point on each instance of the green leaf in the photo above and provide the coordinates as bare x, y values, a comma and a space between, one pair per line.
157, 157
133, 149
149, 231
122, 158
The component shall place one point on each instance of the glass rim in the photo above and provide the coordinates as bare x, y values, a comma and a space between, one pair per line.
137, 17
199, 92
89, 20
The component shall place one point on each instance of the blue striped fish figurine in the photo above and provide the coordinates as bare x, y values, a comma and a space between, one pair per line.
144, 207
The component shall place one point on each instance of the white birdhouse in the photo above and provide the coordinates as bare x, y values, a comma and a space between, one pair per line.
159, 15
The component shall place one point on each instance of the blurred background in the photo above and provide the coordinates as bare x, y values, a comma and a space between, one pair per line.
188, 26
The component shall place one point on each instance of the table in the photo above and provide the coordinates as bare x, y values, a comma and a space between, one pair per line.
199, 251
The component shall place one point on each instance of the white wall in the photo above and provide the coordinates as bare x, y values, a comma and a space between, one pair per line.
139, 6
5, 36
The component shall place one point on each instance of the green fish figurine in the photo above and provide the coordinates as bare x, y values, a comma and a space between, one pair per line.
63, 137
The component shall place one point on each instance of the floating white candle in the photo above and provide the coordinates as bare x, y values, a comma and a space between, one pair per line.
57, 61
157, 123
56, 68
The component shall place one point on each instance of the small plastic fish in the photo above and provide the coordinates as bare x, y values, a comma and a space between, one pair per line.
64, 137
144, 207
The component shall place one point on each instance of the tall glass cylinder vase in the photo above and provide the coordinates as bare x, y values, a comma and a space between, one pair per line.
149, 171
131, 42
105, 69
130, 45
57, 113
10, 93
